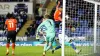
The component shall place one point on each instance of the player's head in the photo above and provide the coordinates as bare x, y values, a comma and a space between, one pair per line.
46, 16
11, 16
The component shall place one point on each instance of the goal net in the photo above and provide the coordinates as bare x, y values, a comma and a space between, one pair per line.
82, 22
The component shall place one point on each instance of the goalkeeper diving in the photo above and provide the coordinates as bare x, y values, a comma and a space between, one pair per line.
47, 30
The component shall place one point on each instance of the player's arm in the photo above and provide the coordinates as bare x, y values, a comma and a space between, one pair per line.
16, 22
58, 5
38, 29
5, 26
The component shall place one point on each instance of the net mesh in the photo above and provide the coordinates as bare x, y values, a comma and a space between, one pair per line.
98, 29
80, 26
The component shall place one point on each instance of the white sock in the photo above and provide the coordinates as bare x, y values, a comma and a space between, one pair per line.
44, 53
76, 50
12, 52
7, 50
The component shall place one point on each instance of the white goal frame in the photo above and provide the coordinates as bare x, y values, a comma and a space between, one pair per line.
95, 22
63, 25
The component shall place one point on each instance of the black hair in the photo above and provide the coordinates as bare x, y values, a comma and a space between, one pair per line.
11, 16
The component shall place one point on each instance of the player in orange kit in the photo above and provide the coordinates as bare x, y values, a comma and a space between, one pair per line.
11, 25
58, 14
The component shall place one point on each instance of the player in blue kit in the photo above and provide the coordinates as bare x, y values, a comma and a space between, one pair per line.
69, 42
48, 33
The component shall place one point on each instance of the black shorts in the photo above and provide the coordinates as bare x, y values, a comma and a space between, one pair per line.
57, 23
11, 35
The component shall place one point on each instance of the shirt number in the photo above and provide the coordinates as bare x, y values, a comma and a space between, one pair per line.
11, 25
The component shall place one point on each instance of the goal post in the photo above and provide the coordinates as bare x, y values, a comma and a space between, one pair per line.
96, 3
83, 20
95, 28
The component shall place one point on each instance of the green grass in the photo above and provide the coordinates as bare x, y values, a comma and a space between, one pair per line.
29, 51
86, 51
37, 51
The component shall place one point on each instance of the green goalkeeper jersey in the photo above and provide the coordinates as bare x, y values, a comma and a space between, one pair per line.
49, 27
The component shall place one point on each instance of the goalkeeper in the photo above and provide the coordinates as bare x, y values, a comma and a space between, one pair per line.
49, 32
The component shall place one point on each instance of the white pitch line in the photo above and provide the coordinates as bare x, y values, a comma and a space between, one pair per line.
84, 54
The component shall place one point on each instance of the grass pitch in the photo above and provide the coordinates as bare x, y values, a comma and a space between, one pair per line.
37, 51
85, 51
28, 51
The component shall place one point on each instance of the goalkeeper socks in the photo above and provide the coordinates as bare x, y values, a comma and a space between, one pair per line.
58, 47
45, 46
48, 48
7, 46
13, 46
73, 46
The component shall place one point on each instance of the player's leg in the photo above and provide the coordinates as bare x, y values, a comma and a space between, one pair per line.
8, 43
73, 46
45, 46
49, 46
58, 47
51, 40
69, 42
75, 49
60, 42
13, 41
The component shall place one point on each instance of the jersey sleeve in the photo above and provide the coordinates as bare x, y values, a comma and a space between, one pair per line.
15, 21
37, 36
40, 26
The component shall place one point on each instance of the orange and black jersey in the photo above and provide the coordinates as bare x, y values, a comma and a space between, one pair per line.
11, 24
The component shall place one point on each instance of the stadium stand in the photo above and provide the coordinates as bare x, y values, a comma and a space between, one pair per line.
82, 27
78, 12
14, 0
38, 18
21, 18
31, 29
